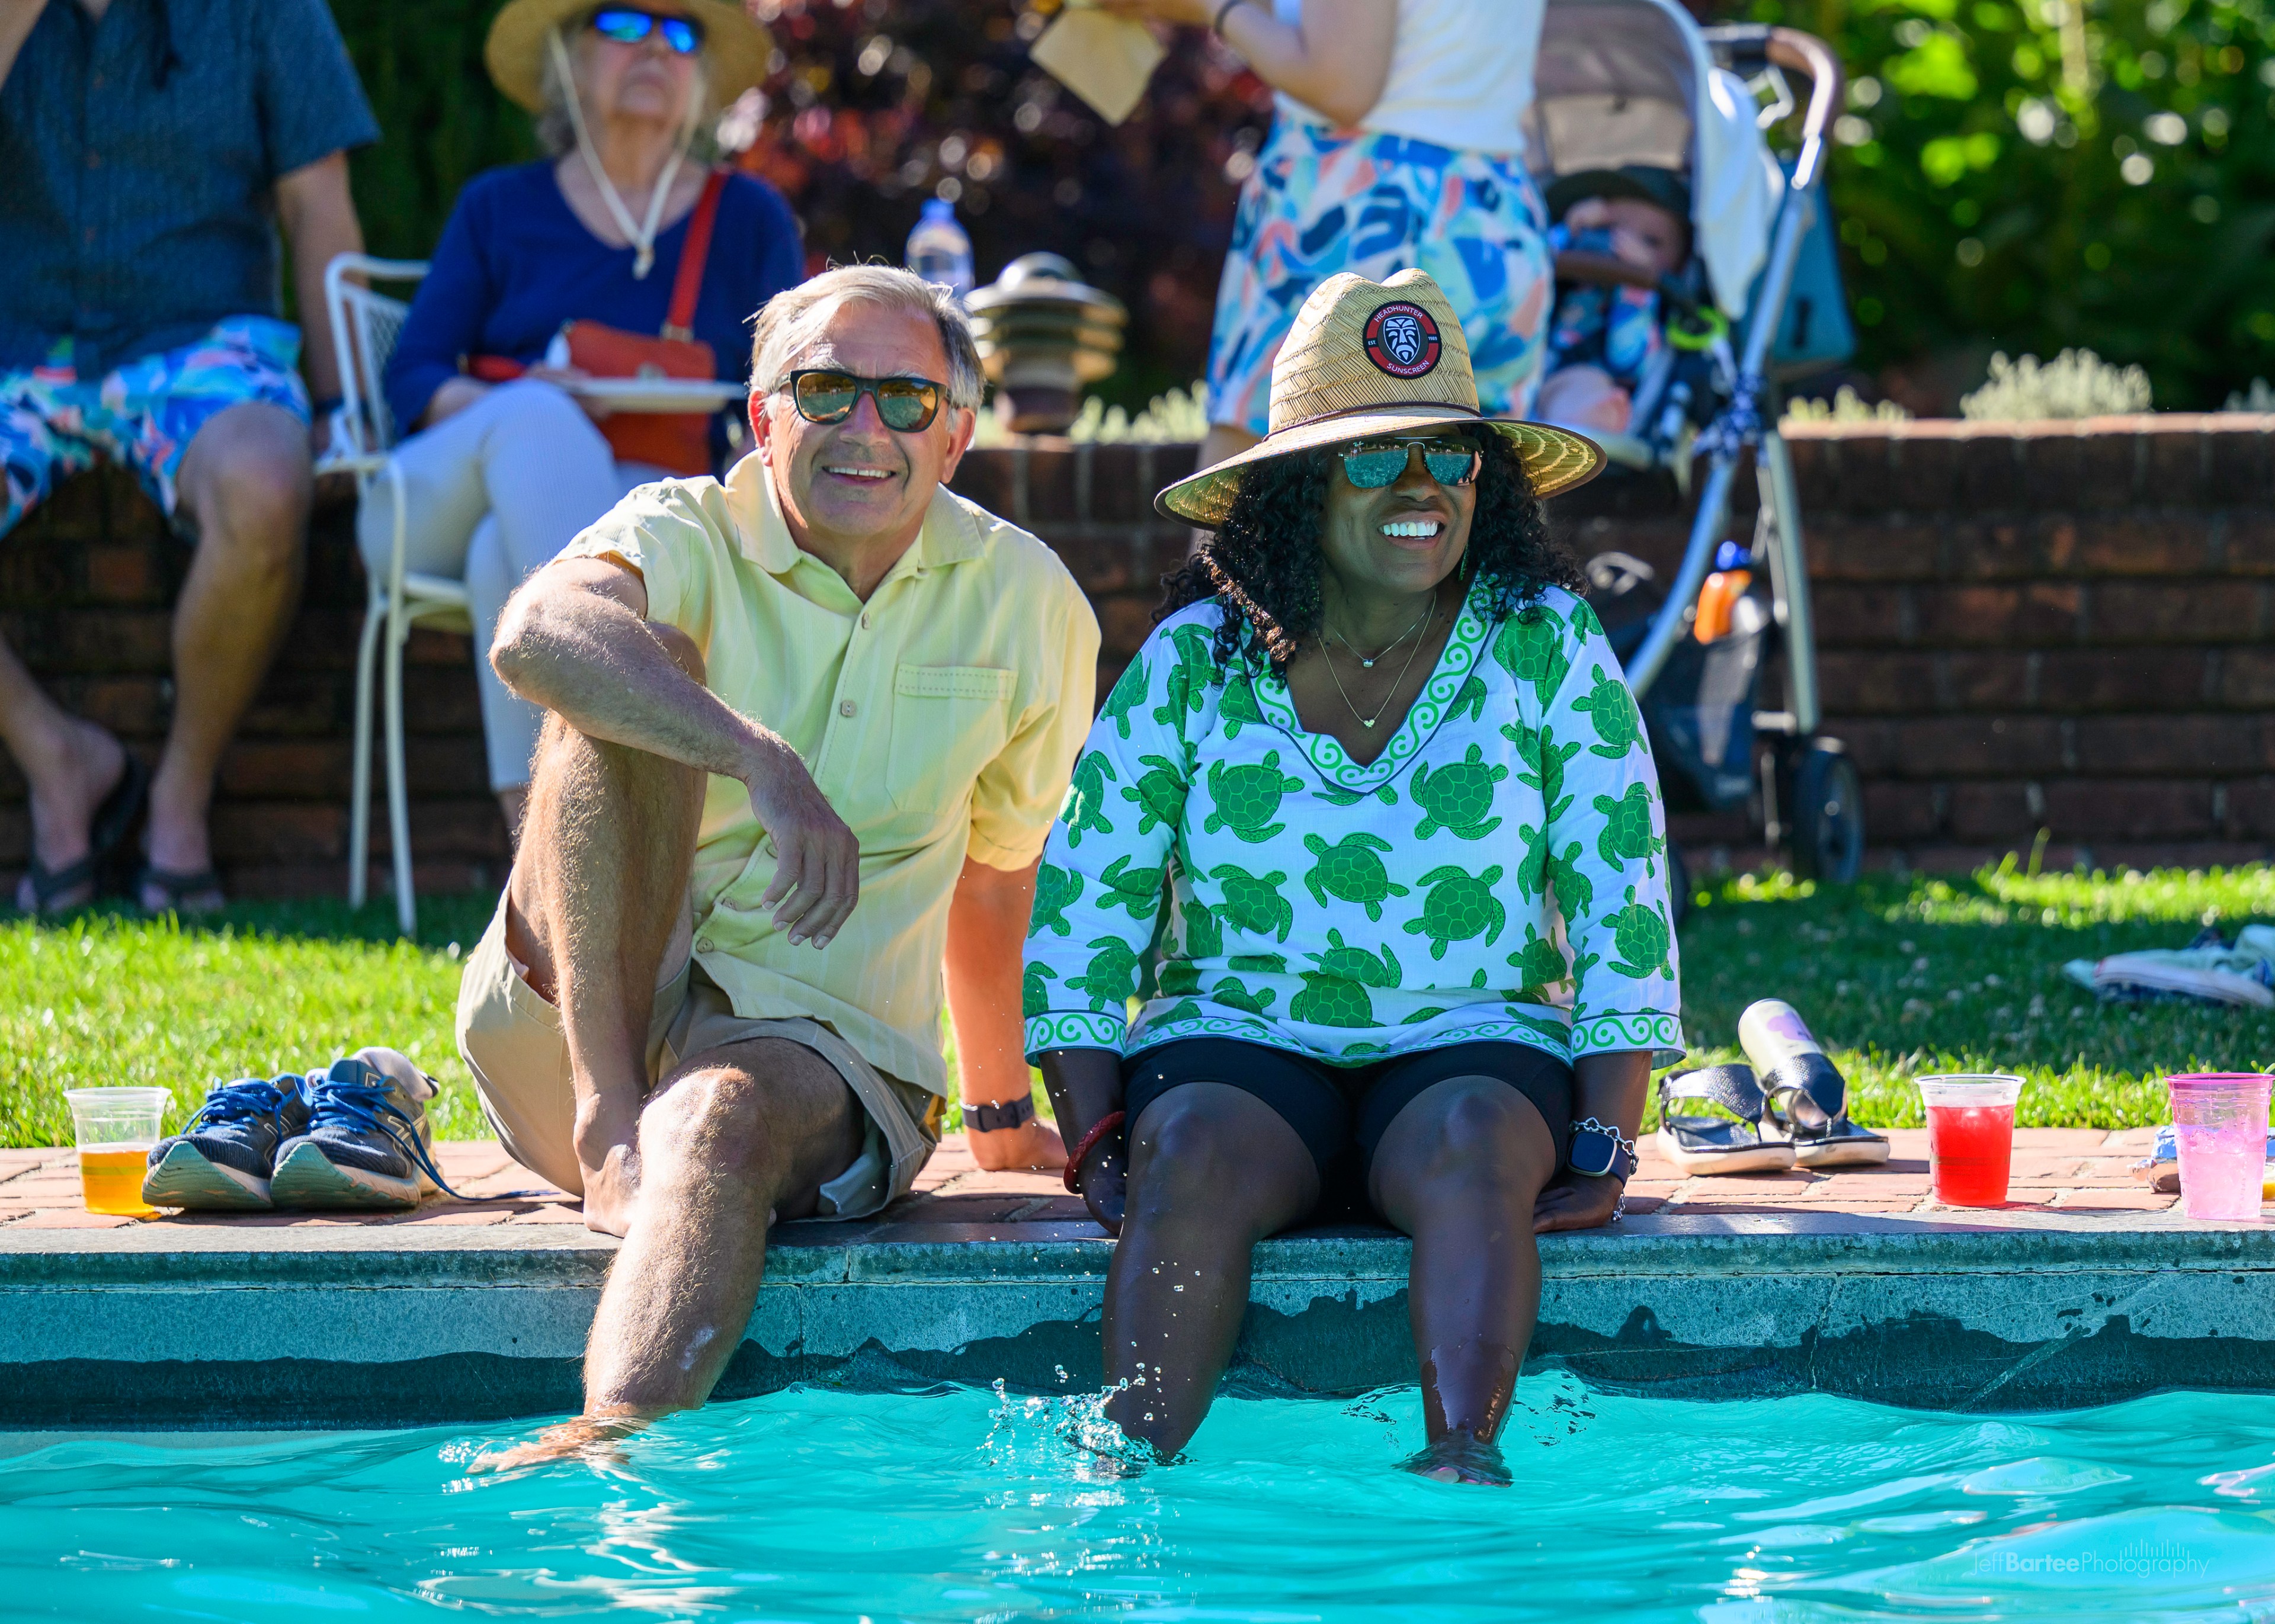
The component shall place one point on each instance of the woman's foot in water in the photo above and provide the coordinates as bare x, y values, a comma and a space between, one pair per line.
1461, 1457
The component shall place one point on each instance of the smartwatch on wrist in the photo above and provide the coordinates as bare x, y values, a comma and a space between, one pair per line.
1598, 1150
995, 1119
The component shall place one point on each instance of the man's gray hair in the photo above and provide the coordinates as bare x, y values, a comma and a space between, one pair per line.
793, 319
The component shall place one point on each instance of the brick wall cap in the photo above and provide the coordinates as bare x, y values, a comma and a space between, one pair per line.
2158, 423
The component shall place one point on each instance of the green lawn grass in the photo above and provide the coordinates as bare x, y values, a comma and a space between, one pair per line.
1897, 976
1900, 977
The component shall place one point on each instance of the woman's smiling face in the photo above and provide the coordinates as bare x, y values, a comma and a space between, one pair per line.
1402, 538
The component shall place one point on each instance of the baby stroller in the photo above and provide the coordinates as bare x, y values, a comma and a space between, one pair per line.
1636, 82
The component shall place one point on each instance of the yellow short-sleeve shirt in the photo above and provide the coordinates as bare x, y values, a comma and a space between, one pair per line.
940, 718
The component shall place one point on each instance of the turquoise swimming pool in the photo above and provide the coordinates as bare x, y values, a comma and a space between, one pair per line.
954, 1504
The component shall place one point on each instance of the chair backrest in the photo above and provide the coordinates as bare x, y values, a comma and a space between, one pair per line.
365, 326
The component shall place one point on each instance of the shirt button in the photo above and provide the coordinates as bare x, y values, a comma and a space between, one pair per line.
94, 82
703, 944
87, 237
95, 160
846, 707
865, 620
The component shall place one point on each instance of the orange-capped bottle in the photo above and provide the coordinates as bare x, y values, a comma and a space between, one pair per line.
1722, 590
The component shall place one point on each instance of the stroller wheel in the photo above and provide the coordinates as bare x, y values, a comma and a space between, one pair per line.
1828, 813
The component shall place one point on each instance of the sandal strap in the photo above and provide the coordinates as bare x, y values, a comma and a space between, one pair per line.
1796, 1080
49, 883
1731, 1087
176, 883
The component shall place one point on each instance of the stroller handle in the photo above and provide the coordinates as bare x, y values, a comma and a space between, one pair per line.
1803, 53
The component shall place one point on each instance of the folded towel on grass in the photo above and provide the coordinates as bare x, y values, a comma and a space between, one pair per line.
2208, 969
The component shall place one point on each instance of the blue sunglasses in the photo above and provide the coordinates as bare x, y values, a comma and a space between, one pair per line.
627, 27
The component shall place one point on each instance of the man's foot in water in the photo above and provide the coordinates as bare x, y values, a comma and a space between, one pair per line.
592, 1437
1461, 1457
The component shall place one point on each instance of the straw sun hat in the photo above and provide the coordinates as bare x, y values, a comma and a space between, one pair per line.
1367, 359
735, 48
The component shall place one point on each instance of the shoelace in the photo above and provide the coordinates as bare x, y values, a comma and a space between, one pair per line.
241, 1101
369, 1108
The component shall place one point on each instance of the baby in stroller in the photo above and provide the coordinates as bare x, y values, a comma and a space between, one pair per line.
1604, 333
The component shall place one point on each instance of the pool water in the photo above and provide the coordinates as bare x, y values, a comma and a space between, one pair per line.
957, 1505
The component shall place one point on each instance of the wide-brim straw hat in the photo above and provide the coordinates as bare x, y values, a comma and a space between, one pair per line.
736, 49
1366, 359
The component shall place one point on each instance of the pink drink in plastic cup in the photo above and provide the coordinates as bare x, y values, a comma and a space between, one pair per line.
2220, 1124
1970, 1137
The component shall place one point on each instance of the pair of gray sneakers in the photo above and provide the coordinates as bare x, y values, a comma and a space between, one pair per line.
354, 1136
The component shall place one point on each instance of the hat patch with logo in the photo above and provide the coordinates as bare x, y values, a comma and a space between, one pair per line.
1402, 339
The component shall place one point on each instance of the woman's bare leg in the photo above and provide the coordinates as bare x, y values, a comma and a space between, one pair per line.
1212, 1170
1459, 1170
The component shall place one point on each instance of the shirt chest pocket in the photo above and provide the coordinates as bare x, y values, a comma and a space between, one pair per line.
948, 722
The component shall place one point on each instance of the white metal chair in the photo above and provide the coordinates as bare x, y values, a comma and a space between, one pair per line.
365, 326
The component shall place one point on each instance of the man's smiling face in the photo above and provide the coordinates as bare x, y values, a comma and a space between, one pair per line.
857, 485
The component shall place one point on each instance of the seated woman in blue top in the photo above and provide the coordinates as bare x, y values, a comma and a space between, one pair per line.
500, 475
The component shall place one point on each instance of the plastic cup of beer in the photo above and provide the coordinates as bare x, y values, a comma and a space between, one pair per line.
1970, 1135
2220, 1127
116, 1128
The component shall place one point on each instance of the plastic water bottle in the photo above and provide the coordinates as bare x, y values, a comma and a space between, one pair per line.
939, 250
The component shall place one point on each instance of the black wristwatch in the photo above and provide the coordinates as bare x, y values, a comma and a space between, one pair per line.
1598, 1150
995, 1119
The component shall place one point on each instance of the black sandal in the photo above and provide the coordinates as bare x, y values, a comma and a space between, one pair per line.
174, 886
1818, 1129
1715, 1144
108, 836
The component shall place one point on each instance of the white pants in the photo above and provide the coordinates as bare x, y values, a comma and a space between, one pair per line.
490, 494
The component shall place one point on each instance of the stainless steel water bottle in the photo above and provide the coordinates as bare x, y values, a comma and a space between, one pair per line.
1791, 1064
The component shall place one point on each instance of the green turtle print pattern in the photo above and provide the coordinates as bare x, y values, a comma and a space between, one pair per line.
1498, 873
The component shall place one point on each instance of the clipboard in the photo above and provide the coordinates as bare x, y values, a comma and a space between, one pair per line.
1105, 60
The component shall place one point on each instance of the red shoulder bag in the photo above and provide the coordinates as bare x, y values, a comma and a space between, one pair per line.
677, 441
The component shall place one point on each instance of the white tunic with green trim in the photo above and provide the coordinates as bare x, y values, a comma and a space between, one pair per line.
1498, 873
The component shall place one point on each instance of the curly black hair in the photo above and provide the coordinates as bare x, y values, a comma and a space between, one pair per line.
1264, 559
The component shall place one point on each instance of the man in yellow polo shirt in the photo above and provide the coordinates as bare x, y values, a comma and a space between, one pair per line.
810, 728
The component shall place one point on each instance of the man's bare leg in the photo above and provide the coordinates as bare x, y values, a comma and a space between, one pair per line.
70, 764
596, 898
595, 906
245, 482
734, 1139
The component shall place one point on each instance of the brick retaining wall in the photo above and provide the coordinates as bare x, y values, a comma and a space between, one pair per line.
2062, 626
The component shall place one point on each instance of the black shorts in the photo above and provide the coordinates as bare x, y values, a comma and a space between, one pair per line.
1341, 1112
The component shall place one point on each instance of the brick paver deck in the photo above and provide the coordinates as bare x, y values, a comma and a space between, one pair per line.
2066, 1169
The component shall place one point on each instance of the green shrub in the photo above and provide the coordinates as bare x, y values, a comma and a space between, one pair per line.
2056, 174
1845, 406
2076, 383
440, 120
1181, 416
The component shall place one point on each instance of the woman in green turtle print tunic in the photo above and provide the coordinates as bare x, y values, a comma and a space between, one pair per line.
1371, 826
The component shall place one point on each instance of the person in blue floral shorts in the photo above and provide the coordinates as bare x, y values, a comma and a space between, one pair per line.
153, 151
1397, 143
1371, 826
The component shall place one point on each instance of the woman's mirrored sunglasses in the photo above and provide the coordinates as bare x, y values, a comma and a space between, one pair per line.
627, 27
823, 395
1371, 464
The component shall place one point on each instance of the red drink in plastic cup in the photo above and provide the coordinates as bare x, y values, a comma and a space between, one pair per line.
1970, 1137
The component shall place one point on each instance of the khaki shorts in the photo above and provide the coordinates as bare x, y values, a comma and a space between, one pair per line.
511, 1041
